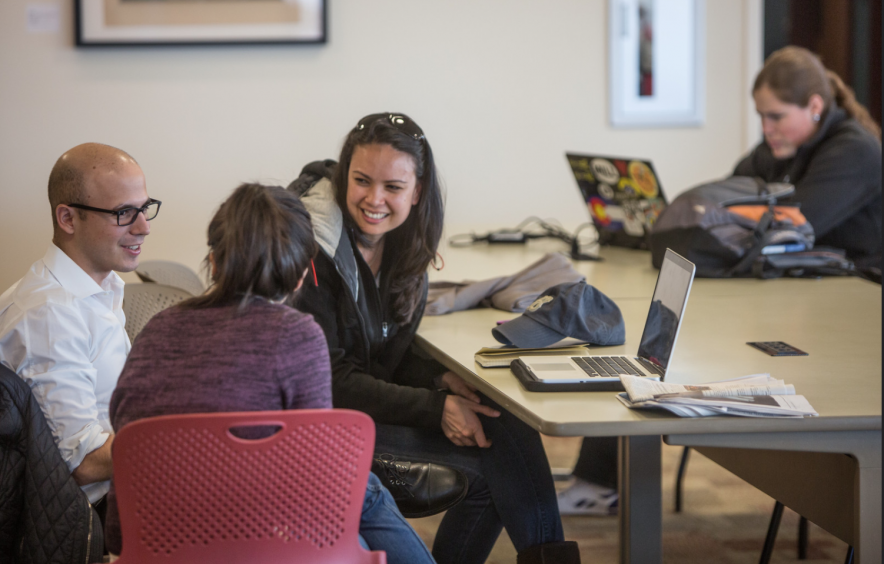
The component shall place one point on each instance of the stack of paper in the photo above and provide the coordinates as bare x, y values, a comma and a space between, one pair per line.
501, 356
751, 396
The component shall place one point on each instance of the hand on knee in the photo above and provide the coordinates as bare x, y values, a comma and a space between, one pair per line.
461, 424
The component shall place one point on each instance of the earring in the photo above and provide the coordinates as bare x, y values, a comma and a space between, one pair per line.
816, 117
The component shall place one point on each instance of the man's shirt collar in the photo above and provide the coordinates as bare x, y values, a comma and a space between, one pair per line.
74, 279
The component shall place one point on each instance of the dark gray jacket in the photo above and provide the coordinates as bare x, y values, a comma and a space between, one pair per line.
837, 178
391, 382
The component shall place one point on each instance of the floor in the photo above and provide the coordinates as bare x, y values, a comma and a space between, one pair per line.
724, 519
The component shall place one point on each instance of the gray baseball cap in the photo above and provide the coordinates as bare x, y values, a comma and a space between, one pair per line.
575, 310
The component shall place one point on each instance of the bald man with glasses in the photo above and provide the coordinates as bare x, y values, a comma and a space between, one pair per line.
62, 327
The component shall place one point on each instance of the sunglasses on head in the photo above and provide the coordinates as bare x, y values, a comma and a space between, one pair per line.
399, 121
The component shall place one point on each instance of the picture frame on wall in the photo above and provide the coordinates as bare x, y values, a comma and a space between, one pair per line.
656, 63
199, 22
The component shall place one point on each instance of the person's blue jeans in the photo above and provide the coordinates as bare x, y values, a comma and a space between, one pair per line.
510, 485
383, 527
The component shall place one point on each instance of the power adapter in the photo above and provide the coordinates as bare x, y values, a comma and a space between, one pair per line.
506, 237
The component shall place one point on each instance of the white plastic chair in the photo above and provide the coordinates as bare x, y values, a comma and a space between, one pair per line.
171, 274
143, 301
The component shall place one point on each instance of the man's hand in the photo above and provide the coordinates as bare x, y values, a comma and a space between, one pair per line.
461, 424
459, 386
97, 466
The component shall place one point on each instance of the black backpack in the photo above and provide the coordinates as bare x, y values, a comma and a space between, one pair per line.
735, 228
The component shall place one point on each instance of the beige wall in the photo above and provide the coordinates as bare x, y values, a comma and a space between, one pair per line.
501, 87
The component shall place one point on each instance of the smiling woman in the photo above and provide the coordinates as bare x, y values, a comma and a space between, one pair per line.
388, 169
377, 216
381, 190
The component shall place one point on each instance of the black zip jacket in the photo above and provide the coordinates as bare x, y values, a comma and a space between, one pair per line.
375, 368
837, 178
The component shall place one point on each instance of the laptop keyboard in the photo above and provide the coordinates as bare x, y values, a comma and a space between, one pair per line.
606, 365
613, 365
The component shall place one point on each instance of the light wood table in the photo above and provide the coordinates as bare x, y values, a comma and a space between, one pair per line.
800, 462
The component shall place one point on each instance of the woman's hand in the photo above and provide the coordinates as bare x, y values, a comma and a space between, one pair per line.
461, 424
459, 386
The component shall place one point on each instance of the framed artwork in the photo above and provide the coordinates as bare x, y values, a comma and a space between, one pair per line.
199, 22
656, 62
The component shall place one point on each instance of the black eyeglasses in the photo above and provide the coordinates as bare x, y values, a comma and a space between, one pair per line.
127, 216
399, 121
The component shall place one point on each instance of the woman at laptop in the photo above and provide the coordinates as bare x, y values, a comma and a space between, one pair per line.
377, 216
239, 347
819, 138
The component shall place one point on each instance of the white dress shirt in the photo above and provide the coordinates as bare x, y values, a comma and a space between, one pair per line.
65, 336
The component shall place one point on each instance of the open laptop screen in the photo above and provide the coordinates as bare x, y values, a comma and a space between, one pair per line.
667, 308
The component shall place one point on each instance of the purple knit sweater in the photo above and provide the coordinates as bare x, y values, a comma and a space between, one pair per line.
268, 357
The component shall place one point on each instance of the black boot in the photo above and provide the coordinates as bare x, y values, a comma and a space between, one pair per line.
565, 552
420, 489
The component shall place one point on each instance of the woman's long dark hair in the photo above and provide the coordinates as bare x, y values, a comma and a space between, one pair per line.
411, 247
794, 74
260, 244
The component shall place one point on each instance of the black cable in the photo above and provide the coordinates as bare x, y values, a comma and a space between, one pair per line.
532, 228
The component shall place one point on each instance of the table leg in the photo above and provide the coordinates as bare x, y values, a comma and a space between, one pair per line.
641, 509
868, 515
831, 477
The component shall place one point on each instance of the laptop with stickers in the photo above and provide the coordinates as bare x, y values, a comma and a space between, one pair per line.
623, 195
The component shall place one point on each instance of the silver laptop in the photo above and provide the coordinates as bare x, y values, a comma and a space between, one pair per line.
657, 343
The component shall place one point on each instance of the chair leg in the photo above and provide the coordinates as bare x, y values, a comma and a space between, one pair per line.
772, 531
679, 480
802, 539
849, 558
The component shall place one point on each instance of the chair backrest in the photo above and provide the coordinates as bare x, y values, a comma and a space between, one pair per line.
143, 301
171, 274
190, 491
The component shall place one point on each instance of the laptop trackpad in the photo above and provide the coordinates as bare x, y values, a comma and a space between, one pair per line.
552, 367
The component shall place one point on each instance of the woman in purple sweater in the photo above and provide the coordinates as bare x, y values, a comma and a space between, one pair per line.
239, 347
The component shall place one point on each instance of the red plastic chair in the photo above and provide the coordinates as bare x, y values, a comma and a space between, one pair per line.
189, 491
